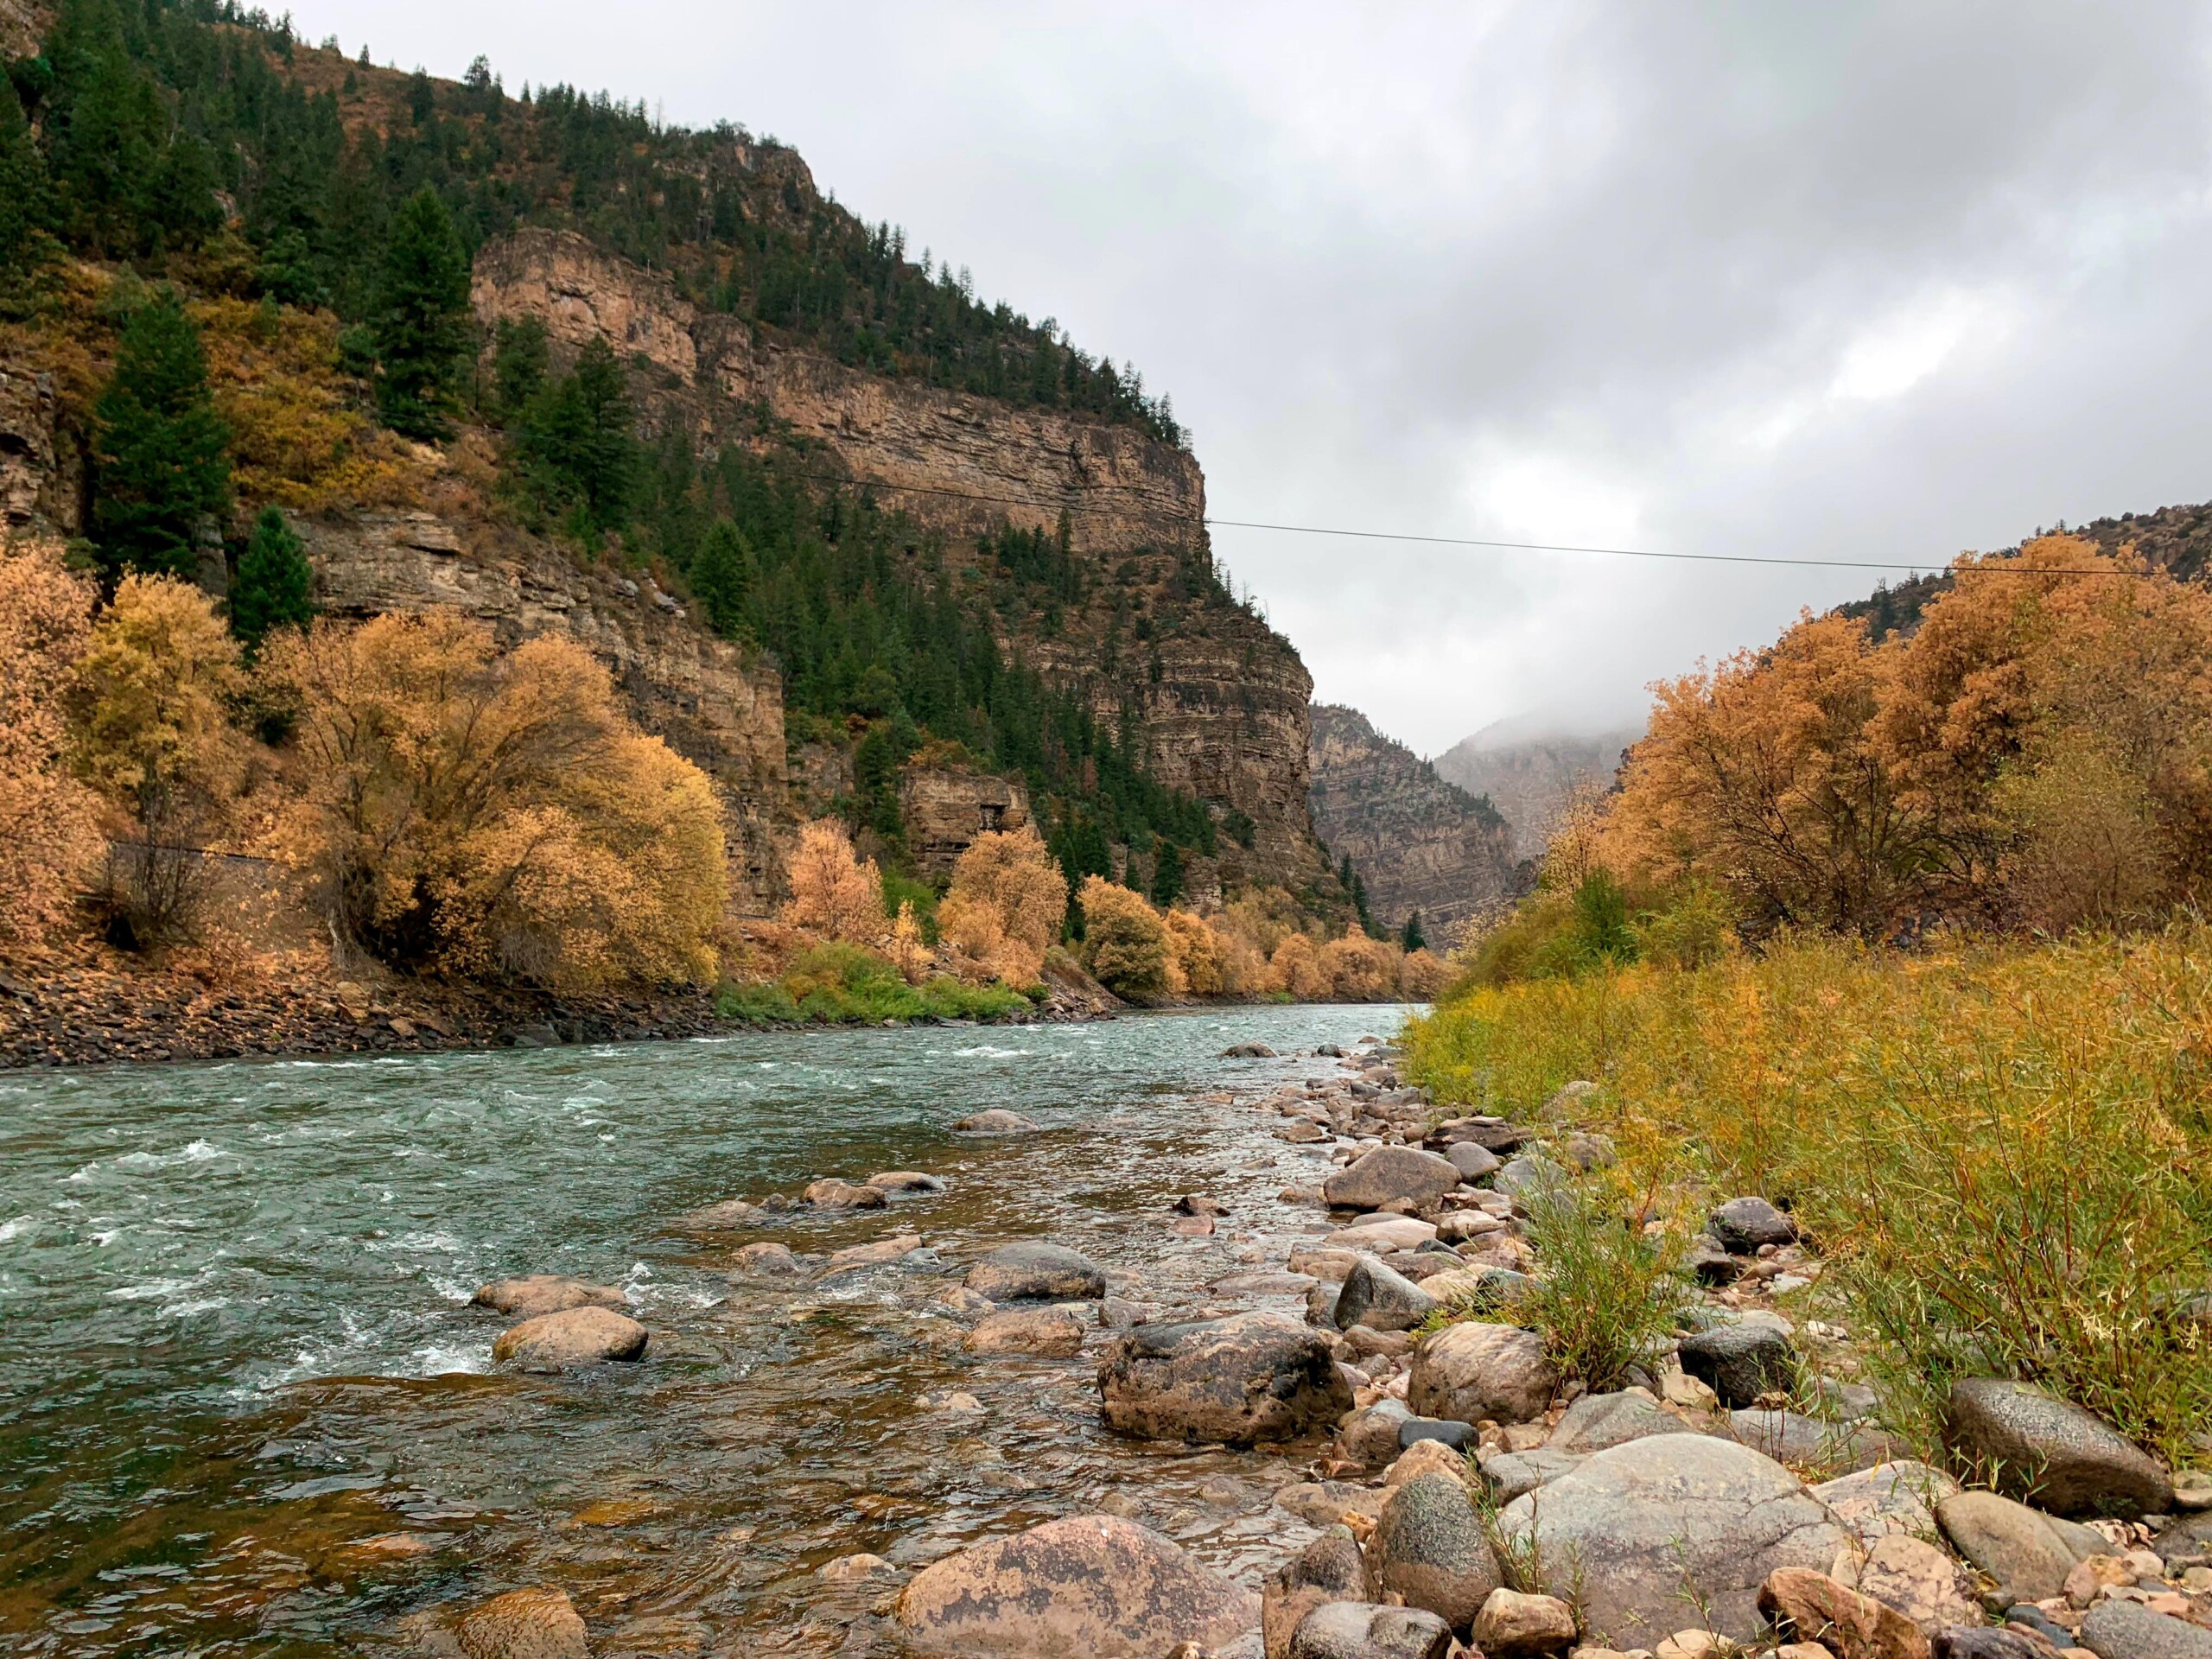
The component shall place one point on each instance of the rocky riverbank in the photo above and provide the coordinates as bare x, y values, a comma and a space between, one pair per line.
1440, 1487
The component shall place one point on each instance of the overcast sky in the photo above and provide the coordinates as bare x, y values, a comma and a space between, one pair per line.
1873, 283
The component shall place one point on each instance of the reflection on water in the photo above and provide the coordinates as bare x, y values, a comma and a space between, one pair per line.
245, 1408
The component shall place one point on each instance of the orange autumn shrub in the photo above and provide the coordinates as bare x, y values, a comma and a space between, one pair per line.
1124, 941
1296, 968
1194, 956
834, 893
1006, 903
1423, 976
1360, 970
49, 839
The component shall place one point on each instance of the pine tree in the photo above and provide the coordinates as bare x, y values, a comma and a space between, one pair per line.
161, 469
1167, 871
274, 583
578, 438
422, 319
1413, 938
721, 576
25, 202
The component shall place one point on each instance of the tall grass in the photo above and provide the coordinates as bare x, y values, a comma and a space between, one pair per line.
1605, 1297
2001, 1149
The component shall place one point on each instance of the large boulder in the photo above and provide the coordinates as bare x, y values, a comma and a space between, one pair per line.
1508, 1474
1743, 1225
1360, 1630
1649, 1532
1597, 1421
1379, 1235
1888, 1500
1388, 1173
1428, 1548
1741, 1361
1330, 1569
535, 1293
1254, 1377
1528, 1177
1813, 1444
1473, 1162
2127, 1629
2048, 1452
1048, 1332
1814, 1607
2025, 1552
1920, 1579
1381, 1299
832, 1192
1090, 1583
1035, 1272
1471, 1371
536, 1624
581, 1336
1513, 1626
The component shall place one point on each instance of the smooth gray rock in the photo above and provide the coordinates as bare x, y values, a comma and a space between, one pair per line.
1428, 1546
1474, 1160
1710, 1263
1887, 1500
1450, 1432
2127, 1629
1508, 1474
1033, 1271
1369, 1436
1381, 1299
1742, 1225
1528, 1176
2051, 1452
1472, 1371
1597, 1421
1811, 1444
1256, 1377
1389, 1173
1741, 1362
2026, 1552
1632, 1524
1360, 1629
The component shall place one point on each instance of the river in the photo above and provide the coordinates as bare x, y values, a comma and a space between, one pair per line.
245, 1407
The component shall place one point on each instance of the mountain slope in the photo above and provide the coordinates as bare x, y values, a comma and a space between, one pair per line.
1531, 778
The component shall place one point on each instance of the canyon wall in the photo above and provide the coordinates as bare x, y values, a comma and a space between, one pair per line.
1419, 842
1531, 778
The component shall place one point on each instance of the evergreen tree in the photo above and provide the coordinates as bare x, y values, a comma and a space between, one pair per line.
517, 363
721, 576
274, 582
1413, 939
1167, 871
422, 319
578, 439
160, 468
25, 246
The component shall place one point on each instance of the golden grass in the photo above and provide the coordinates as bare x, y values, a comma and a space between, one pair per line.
2000, 1147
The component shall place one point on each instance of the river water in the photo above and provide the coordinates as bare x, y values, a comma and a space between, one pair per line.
245, 1408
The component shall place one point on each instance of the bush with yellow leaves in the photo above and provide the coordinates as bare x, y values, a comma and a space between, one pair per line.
1004, 905
1193, 956
49, 836
473, 809
834, 893
1124, 941
1360, 970
1296, 968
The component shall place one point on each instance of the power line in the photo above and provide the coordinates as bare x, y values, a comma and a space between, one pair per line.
1988, 568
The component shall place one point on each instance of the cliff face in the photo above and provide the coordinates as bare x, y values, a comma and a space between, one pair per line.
1220, 698
1419, 842
1530, 780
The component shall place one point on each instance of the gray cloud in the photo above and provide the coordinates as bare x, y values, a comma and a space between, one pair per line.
1876, 281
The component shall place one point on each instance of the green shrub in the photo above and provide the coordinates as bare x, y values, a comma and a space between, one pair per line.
897, 889
846, 984
1604, 1296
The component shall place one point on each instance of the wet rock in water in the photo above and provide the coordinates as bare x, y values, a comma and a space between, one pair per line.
1303, 1132
1264, 1282
544, 1293
730, 1213
1710, 1263
1248, 1052
1117, 1312
1326, 1502
1360, 1630
1381, 1299
1513, 1626
1328, 1052
1814, 1607
2127, 1629
997, 1120
766, 1261
1330, 1264
1426, 1457
1634, 1523
2027, 1553
1193, 1203
845, 1568
1741, 1362
581, 1336
1254, 1377
1428, 1546
905, 1180
1508, 1474
1369, 1436
1741, 1225
1474, 1160
1048, 1333
832, 1193
1888, 1500
1474, 1371
1597, 1421
1984, 1641
963, 1303
1389, 1173
1380, 1235
522, 1624
1918, 1579
1445, 1430
2051, 1452
1811, 1443
883, 1250
1034, 1271
1328, 1569
1528, 1177
1093, 1584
